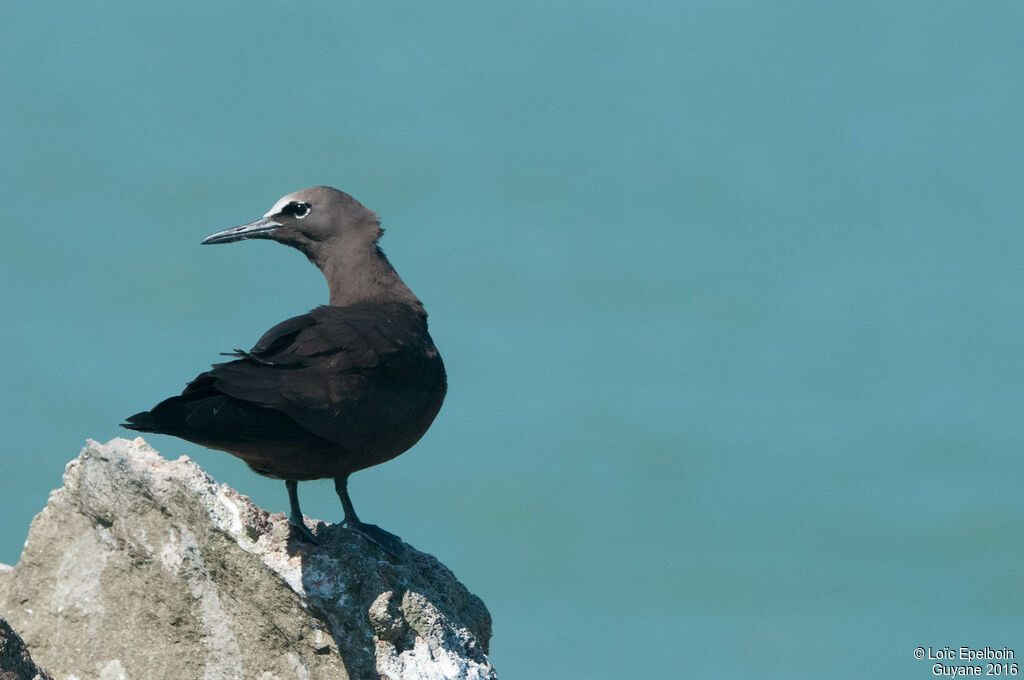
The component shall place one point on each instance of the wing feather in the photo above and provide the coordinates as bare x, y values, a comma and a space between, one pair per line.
325, 369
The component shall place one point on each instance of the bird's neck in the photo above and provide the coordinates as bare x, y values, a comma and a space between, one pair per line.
364, 275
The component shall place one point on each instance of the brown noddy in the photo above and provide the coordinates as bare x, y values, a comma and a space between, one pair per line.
351, 384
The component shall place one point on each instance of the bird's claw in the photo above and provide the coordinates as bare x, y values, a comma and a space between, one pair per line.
302, 532
385, 539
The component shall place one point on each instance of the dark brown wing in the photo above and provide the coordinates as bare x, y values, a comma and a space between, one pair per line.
364, 379
339, 372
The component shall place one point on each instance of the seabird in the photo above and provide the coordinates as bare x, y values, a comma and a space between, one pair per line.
351, 384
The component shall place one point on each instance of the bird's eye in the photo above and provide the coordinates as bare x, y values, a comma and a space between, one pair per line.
299, 210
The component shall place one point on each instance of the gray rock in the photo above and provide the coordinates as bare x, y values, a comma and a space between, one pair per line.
140, 567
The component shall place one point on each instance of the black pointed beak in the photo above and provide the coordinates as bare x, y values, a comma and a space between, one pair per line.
261, 228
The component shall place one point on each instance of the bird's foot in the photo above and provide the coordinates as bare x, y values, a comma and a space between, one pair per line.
385, 539
302, 532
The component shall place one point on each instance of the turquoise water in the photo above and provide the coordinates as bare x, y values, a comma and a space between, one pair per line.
730, 296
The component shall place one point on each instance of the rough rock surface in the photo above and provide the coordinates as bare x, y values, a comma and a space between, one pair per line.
15, 662
140, 567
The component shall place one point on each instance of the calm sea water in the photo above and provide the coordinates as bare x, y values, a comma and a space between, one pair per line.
730, 295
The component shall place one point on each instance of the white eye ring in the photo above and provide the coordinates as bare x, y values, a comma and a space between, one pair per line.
296, 209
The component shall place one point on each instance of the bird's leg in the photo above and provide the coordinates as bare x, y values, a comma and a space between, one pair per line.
385, 539
295, 518
341, 486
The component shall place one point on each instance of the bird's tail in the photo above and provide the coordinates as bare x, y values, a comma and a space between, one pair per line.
141, 422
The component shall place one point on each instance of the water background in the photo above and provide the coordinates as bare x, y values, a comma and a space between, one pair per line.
730, 294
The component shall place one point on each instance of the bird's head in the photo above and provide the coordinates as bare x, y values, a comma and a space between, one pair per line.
315, 221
